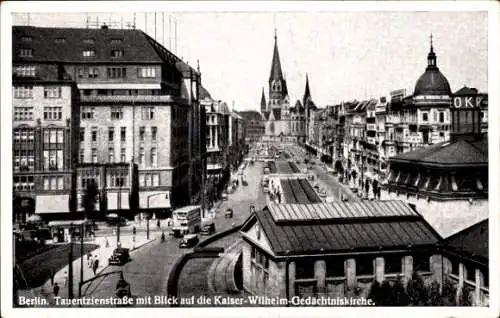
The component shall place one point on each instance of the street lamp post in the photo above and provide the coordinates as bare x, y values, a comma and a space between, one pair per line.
119, 206
70, 263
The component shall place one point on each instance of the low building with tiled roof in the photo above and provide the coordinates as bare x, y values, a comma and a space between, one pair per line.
466, 262
336, 249
254, 125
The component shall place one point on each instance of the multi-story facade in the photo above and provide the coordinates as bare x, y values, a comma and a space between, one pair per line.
254, 126
139, 103
45, 134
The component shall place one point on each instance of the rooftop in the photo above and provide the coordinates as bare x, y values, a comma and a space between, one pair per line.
342, 227
460, 153
472, 240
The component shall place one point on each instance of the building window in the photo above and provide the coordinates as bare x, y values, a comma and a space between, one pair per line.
116, 41
117, 72
82, 155
94, 134
27, 38
93, 72
88, 41
454, 267
26, 52
117, 179
148, 113
23, 113
155, 179
425, 117
146, 72
94, 155
123, 134
154, 157
111, 133
304, 268
53, 160
116, 53
111, 154
117, 112
471, 274
393, 263
52, 113
60, 40
154, 132
88, 112
24, 160
142, 131
441, 117
421, 263
82, 134
25, 71
122, 154
24, 91
23, 183
88, 53
335, 267
52, 92
364, 265
141, 155
53, 183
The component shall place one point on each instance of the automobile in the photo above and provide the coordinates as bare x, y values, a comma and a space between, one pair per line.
354, 189
316, 186
310, 177
229, 213
189, 240
322, 193
120, 256
208, 229
265, 189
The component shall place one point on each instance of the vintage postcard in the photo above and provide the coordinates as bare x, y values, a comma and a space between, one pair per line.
281, 158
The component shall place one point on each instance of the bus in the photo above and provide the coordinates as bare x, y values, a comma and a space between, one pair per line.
186, 220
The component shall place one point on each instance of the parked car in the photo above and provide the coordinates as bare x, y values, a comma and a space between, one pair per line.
188, 241
224, 196
120, 256
208, 229
229, 213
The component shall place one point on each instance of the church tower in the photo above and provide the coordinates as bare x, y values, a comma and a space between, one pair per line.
263, 105
277, 84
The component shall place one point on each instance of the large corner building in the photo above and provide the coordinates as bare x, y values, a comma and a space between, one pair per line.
109, 105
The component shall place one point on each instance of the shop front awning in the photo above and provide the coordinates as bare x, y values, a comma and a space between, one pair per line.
55, 203
66, 223
113, 200
157, 199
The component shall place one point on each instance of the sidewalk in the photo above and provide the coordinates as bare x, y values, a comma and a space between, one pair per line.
103, 253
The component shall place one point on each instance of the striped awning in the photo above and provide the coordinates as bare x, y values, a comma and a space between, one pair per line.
55, 203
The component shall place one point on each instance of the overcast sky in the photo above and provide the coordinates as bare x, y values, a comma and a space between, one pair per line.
348, 55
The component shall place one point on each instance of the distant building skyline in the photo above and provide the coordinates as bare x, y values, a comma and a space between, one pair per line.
348, 55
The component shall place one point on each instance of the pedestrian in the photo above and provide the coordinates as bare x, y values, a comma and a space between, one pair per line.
158, 223
65, 278
162, 237
95, 265
52, 274
56, 289
134, 230
106, 240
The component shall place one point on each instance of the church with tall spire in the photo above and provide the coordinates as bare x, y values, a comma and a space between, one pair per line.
283, 122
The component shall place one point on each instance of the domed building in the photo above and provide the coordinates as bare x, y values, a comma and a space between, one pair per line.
425, 115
